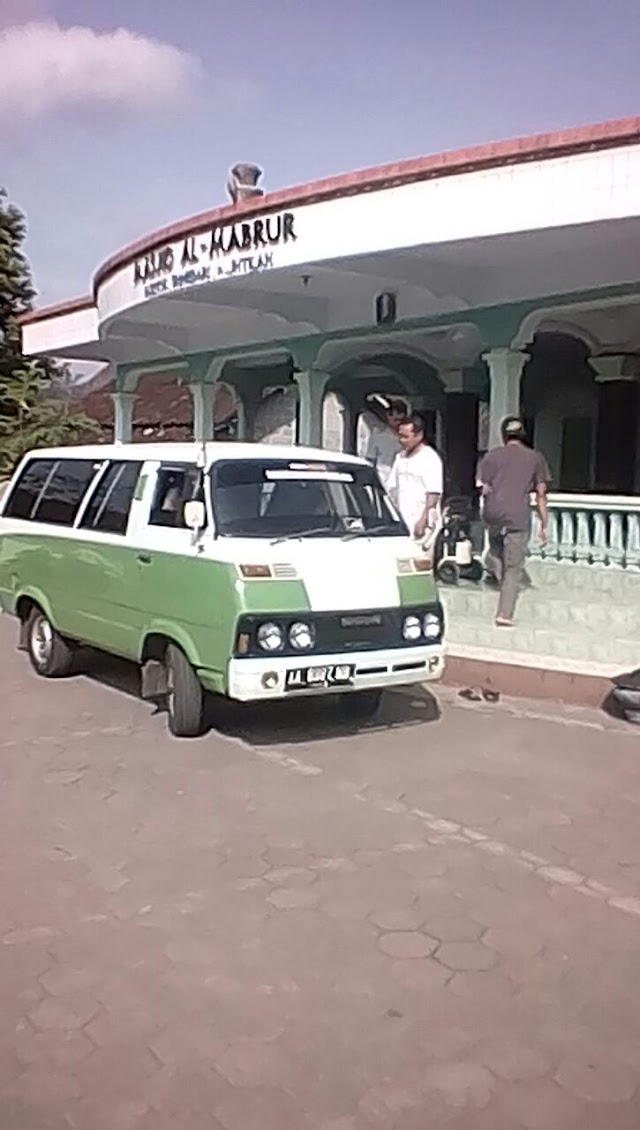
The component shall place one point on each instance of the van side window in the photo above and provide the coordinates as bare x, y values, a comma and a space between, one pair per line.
60, 500
108, 510
175, 486
27, 488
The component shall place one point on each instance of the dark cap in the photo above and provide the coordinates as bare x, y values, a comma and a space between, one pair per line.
512, 428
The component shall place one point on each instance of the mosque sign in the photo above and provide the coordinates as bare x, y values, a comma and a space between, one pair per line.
226, 250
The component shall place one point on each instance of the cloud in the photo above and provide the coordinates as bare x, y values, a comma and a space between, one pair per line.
45, 68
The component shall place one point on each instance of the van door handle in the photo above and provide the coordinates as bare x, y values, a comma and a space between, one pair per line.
144, 558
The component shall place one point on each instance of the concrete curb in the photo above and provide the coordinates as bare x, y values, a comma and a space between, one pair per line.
516, 679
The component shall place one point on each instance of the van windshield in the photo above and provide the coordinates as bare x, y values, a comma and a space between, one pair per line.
278, 498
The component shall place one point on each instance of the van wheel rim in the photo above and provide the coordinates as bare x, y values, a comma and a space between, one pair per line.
42, 641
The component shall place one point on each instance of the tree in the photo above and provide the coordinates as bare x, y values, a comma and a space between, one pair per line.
29, 415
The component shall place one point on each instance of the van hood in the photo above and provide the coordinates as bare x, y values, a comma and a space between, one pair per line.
360, 573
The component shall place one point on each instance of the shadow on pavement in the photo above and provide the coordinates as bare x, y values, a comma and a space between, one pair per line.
317, 719
298, 720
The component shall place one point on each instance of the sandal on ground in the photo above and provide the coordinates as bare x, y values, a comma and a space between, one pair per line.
490, 695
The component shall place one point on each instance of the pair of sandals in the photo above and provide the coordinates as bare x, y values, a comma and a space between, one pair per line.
470, 694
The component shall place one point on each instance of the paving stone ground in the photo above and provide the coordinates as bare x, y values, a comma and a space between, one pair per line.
433, 921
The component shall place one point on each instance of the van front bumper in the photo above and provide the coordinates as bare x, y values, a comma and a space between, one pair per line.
250, 680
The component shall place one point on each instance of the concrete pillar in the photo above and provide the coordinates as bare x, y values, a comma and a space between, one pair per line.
505, 370
123, 403
311, 389
334, 422
203, 394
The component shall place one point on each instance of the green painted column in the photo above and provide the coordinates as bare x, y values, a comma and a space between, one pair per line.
124, 398
312, 385
505, 371
123, 404
203, 394
201, 381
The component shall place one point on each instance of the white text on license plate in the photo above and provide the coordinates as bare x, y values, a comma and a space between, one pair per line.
338, 675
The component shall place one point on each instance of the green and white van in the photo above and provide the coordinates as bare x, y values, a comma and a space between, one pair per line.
246, 570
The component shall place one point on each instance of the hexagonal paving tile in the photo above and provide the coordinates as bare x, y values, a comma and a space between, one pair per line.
61, 980
62, 1049
290, 877
461, 1085
455, 929
397, 918
419, 975
466, 956
252, 1063
292, 899
513, 1059
408, 943
66, 1013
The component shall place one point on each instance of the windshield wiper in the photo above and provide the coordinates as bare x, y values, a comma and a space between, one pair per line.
303, 534
383, 527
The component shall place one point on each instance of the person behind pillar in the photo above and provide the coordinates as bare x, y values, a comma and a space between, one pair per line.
378, 441
509, 475
416, 482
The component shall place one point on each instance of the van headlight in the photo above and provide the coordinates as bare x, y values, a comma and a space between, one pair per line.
432, 626
302, 636
270, 637
411, 628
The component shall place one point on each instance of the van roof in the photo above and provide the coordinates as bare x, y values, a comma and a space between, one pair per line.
188, 452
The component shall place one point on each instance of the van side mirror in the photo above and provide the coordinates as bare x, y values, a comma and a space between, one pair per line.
194, 515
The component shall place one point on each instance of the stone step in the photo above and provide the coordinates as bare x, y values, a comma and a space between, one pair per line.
569, 648
538, 607
573, 630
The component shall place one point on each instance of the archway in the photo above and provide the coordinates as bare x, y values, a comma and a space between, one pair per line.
392, 375
560, 407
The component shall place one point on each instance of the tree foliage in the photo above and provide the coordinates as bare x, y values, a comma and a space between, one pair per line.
30, 414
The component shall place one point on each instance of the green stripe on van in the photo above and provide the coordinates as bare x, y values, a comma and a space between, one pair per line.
417, 588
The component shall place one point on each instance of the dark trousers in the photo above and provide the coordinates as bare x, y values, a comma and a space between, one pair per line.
505, 560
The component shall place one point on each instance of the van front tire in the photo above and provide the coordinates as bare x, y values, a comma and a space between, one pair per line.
185, 696
50, 655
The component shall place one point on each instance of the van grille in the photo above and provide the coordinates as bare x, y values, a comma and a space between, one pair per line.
340, 632
284, 572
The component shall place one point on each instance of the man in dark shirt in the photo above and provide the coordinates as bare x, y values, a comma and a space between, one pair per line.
509, 475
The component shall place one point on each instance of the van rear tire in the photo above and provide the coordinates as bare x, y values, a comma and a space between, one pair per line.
49, 654
185, 696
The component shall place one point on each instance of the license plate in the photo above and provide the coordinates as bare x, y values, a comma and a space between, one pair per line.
303, 678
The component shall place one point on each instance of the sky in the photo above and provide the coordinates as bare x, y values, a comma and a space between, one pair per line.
120, 116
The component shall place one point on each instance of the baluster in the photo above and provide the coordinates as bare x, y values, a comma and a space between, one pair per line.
616, 540
599, 545
550, 550
633, 541
567, 542
535, 549
583, 537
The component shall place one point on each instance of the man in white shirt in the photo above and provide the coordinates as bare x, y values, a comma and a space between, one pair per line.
416, 482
